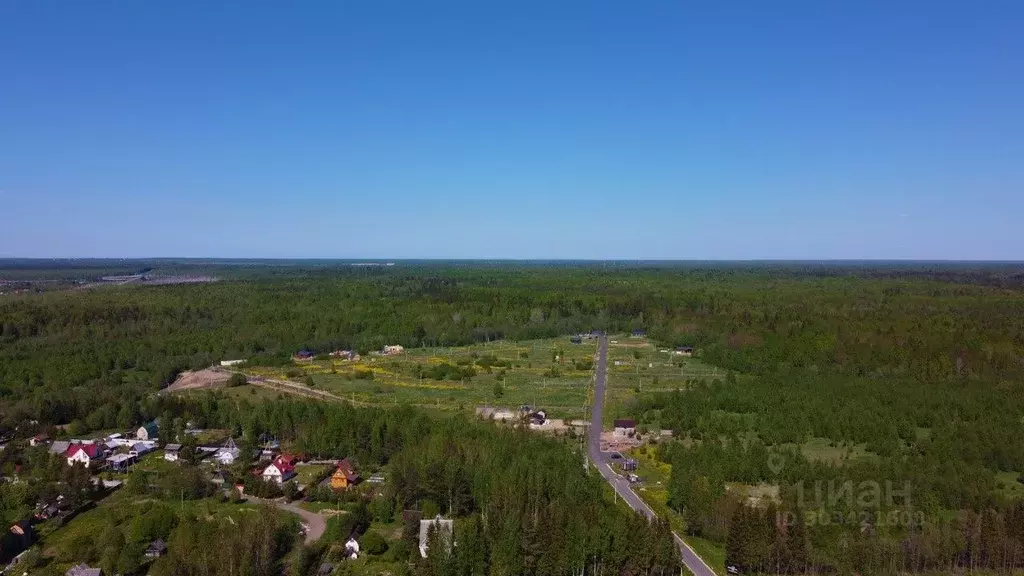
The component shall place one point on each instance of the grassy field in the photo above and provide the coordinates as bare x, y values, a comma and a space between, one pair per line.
1008, 485
636, 365
552, 374
825, 450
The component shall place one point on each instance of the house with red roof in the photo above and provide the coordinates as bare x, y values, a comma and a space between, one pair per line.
85, 454
279, 471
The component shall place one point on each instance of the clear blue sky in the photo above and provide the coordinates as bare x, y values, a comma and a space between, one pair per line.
513, 129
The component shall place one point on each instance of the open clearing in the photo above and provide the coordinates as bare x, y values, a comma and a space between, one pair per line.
551, 374
199, 380
636, 365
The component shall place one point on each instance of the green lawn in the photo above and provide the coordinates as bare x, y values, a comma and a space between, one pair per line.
1008, 485
306, 473
823, 450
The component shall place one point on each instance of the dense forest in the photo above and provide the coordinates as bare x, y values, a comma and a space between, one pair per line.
919, 366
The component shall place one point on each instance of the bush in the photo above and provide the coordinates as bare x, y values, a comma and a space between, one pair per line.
237, 380
383, 509
261, 488
401, 550
445, 371
293, 373
373, 543
362, 374
339, 528
290, 490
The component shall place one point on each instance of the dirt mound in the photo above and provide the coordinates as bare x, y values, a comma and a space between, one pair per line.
198, 380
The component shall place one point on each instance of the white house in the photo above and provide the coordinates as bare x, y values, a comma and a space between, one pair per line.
445, 529
278, 471
228, 453
85, 454
392, 350
226, 363
171, 452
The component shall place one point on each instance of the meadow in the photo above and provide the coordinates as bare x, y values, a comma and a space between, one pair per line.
638, 366
552, 374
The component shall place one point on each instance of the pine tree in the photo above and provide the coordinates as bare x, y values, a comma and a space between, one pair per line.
737, 542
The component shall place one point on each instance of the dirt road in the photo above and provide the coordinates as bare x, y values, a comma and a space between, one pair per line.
316, 524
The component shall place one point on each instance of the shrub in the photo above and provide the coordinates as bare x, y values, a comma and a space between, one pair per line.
237, 380
261, 488
374, 543
383, 509
290, 490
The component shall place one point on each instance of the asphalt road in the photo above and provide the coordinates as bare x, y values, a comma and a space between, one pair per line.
602, 462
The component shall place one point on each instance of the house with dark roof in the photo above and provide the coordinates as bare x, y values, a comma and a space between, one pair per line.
156, 549
171, 452
345, 476
624, 428
83, 570
59, 446
120, 462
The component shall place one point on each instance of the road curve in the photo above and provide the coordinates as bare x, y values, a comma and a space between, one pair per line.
621, 485
316, 524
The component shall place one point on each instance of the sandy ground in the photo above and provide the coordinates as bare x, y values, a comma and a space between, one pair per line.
201, 379
609, 443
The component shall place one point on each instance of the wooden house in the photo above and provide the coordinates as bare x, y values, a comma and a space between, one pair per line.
345, 476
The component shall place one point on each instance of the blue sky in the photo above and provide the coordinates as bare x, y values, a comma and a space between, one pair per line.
791, 129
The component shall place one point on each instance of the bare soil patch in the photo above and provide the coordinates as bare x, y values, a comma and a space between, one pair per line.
199, 380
